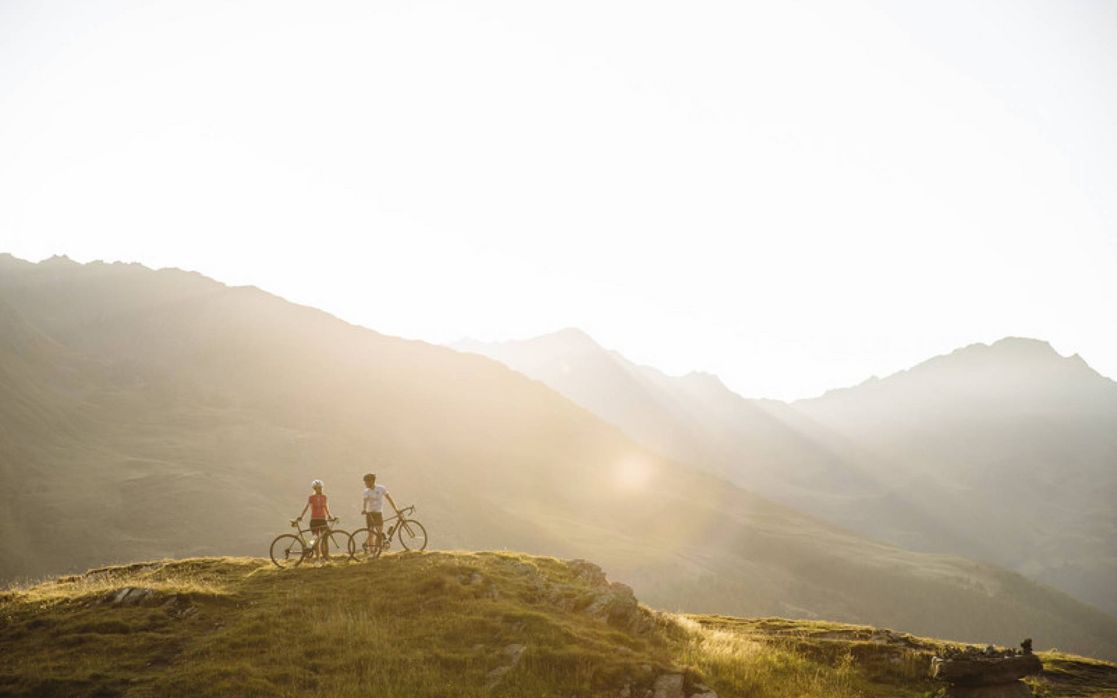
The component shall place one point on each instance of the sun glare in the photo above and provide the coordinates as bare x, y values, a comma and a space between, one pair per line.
632, 474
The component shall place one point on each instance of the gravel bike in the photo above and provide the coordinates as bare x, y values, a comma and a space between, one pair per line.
291, 549
364, 544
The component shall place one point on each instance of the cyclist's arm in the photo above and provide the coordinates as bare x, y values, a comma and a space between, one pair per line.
304, 510
329, 514
392, 502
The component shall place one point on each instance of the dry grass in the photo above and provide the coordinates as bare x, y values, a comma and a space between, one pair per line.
421, 625
194, 577
747, 662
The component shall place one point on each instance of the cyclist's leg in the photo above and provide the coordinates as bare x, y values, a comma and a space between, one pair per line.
318, 532
378, 527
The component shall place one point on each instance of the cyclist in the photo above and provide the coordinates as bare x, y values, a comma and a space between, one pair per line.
320, 517
373, 507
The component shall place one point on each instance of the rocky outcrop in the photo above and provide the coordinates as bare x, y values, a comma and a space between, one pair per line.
612, 602
665, 686
590, 593
988, 673
130, 596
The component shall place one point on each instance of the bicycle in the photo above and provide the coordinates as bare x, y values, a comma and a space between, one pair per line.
290, 549
412, 536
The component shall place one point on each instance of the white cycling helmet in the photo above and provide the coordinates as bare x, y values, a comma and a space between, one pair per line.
317, 483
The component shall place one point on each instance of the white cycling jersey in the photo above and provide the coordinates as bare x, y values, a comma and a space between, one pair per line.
374, 498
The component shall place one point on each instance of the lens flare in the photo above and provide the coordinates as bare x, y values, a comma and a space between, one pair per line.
632, 474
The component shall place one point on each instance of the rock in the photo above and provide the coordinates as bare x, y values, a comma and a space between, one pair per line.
701, 690
985, 672
587, 572
668, 686
511, 655
496, 674
514, 653
1012, 690
989, 652
617, 604
130, 596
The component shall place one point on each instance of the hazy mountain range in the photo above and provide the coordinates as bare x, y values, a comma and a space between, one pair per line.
160, 413
1004, 452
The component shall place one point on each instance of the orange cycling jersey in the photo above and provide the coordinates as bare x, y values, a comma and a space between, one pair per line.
317, 506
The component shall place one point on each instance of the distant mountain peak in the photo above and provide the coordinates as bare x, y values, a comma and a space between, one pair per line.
1024, 346
1022, 357
60, 260
705, 380
1007, 351
571, 336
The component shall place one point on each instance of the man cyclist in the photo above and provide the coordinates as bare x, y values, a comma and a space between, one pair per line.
373, 507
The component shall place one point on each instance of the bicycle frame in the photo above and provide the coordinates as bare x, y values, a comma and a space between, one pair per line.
310, 540
387, 532
391, 530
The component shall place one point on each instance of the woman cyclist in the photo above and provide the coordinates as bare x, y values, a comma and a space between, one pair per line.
319, 519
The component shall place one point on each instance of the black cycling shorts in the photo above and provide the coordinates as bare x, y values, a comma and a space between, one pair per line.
317, 525
374, 519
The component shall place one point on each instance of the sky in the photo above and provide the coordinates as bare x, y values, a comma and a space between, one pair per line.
791, 195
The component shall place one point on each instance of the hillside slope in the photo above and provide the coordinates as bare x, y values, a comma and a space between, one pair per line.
164, 414
437, 624
1017, 443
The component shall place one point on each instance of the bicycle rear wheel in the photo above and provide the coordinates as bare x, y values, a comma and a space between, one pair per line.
336, 546
287, 551
359, 547
412, 535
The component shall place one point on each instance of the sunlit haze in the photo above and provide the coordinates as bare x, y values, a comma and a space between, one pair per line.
794, 196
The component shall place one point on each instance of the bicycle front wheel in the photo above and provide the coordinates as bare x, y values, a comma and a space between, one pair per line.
360, 549
335, 546
287, 551
412, 535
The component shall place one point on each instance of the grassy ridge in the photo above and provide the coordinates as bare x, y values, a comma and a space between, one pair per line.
433, 624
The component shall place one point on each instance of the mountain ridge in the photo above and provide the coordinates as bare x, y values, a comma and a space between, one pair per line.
886, 457
216, 404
